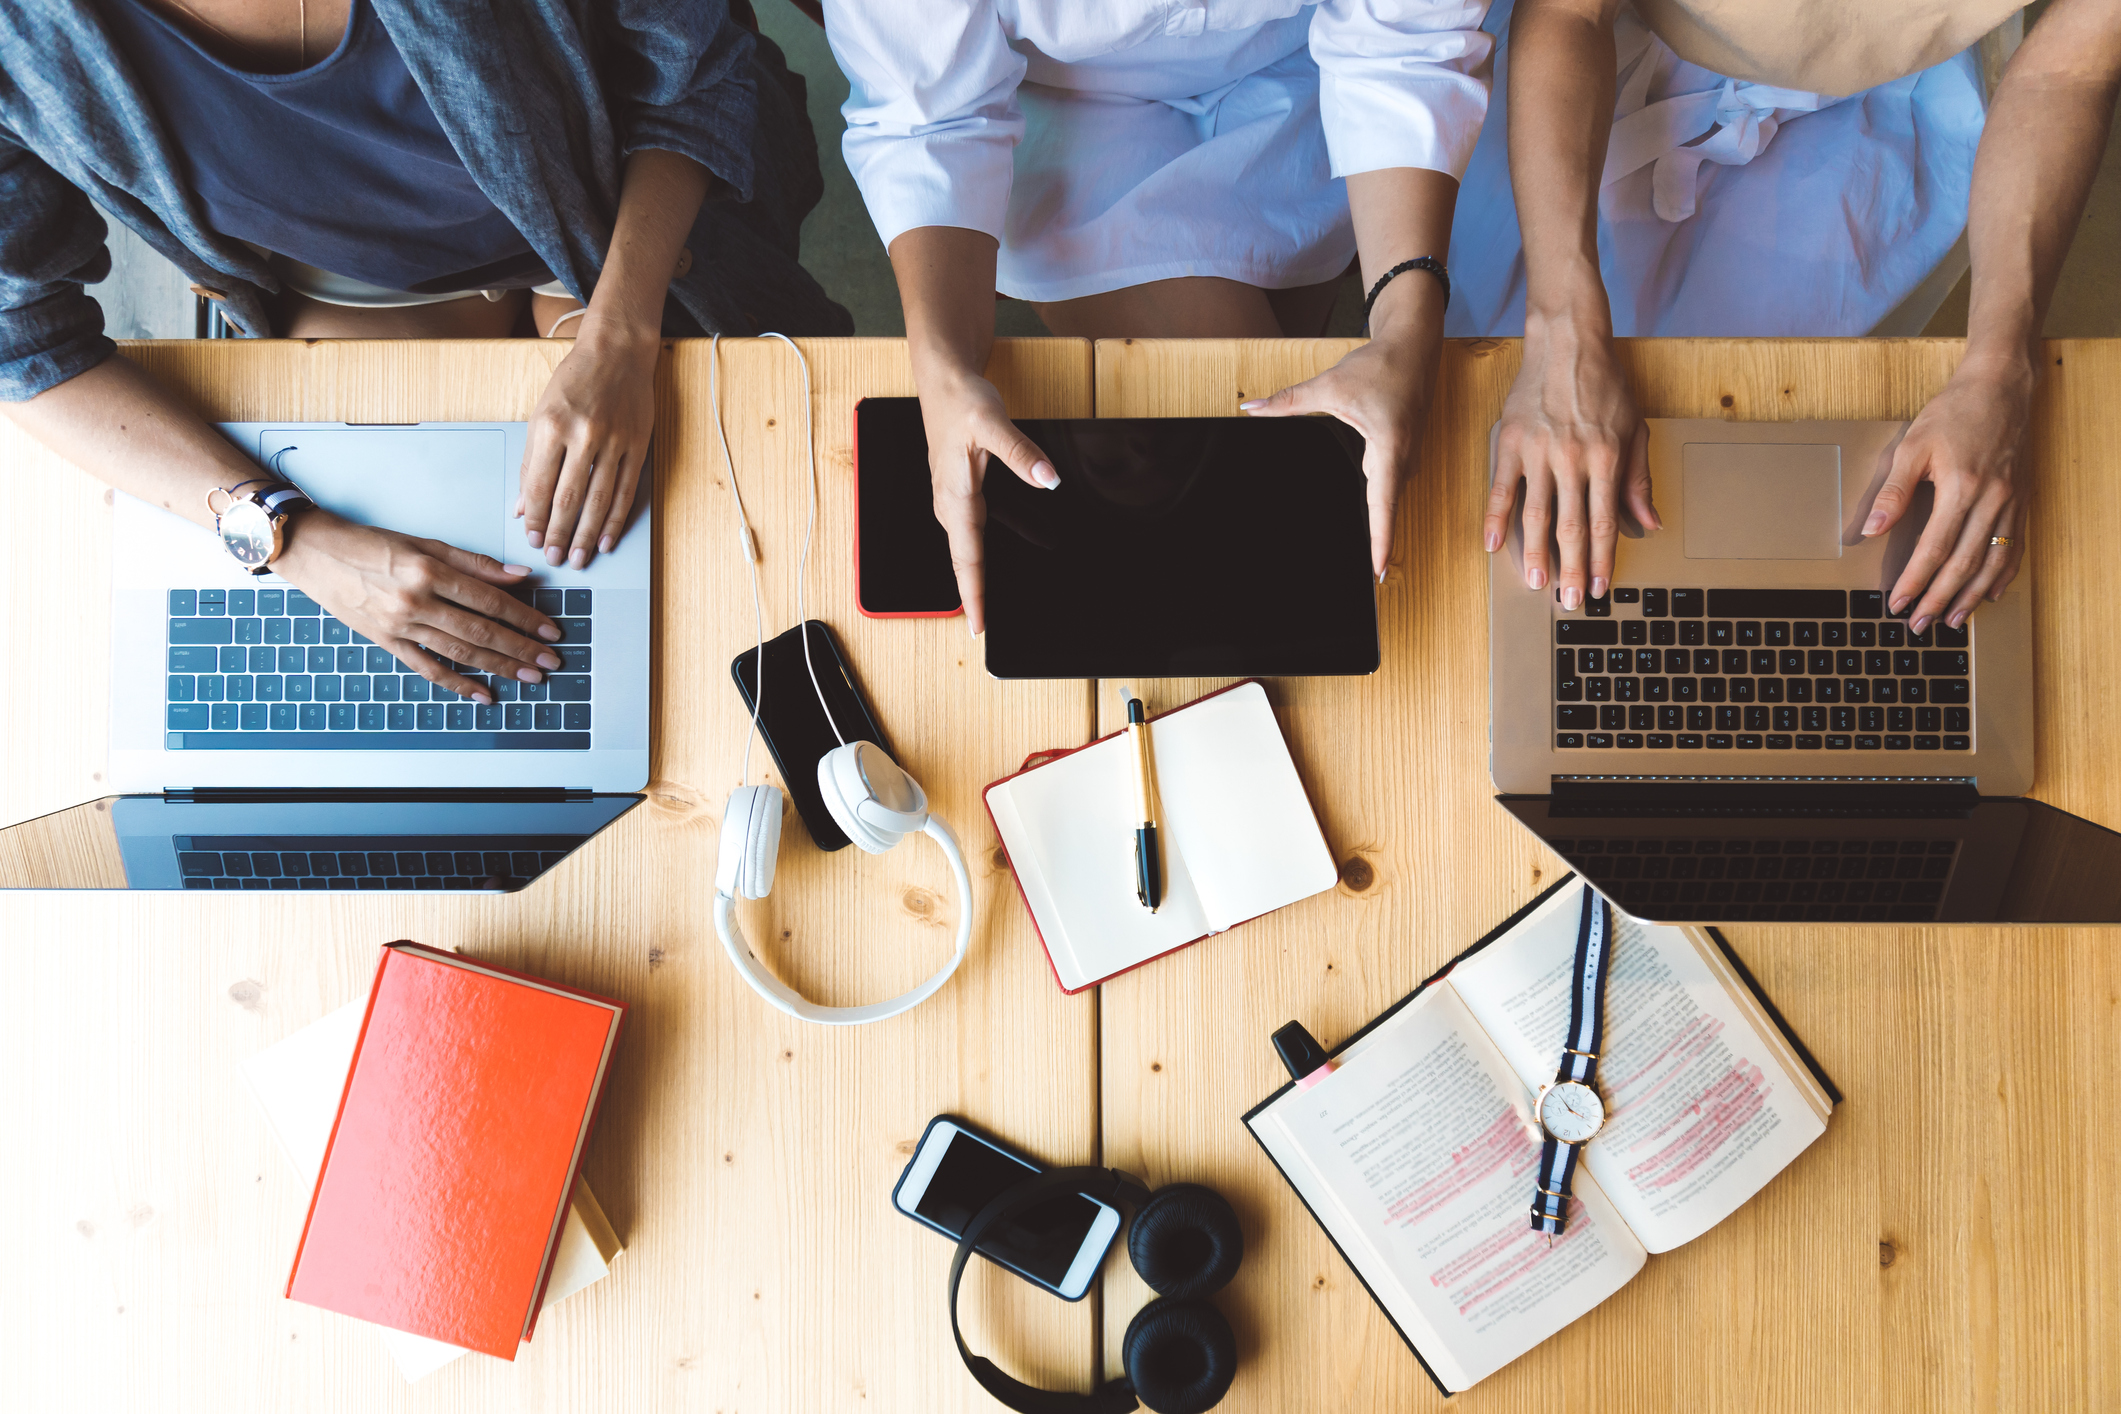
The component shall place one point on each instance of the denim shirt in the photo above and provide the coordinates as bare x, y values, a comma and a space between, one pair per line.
542, 99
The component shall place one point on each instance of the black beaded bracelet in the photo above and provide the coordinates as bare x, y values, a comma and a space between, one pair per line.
1420, 262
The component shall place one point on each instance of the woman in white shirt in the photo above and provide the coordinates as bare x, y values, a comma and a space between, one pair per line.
1139, 168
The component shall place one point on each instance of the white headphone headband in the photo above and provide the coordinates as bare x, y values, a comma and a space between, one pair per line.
774, 990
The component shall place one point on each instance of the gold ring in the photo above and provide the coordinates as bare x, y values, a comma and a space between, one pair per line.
2003, 540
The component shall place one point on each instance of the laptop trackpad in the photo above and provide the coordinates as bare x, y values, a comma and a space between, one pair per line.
441, 483
1755, 501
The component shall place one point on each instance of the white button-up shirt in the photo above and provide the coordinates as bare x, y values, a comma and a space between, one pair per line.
932, 113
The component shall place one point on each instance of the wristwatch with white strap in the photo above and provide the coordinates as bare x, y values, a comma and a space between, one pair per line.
1569, 1109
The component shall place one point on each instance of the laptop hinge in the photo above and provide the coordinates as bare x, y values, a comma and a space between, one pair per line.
527, 795
1788, 798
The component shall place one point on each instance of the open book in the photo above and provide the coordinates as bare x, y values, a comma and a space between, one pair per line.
1238, 836
1418, 1153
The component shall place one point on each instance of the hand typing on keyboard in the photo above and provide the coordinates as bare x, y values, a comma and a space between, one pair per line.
409, 594
1969, 444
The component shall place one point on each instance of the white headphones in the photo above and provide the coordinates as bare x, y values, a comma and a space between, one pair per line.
870, 798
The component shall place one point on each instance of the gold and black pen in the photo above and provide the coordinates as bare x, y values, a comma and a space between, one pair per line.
1148, 859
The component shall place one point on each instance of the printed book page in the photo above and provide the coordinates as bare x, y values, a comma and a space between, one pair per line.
1701, 1107
1419, 1155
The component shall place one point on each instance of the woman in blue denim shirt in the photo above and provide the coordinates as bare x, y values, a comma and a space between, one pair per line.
613, 170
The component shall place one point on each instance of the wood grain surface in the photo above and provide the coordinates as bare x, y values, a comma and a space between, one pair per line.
1942, 1248
745, 1159
1933, 1252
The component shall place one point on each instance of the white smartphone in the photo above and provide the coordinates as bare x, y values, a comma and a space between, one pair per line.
957, 1170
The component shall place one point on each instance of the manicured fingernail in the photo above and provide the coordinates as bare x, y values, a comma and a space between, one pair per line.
529, 675
1571, 597
1875, 524
1918, 623
1494, 541
579, 559
482, 699
1656, 521
604, 545
1044, 474
515, 569
1380, 576
519, 507
1995, 596
1536, 577
536, 539
549, 633
1900, 604
1252, 405
1958, 620
554, 555
1598, 587
549, 661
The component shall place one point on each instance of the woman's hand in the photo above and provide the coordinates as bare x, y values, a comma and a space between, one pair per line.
588, 443
409, 594
967, 424
1381, 390
1571, 433
1969, 443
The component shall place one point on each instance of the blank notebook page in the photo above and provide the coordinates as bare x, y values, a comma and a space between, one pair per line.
1238, 837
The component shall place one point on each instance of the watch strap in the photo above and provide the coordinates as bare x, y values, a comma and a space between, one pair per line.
1550, 1200
1586, 1037
283, 498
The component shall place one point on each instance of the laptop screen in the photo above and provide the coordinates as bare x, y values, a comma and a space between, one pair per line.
1832, 855
350, 844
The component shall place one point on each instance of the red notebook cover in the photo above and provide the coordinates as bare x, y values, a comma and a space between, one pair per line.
1046, 758
444, 1186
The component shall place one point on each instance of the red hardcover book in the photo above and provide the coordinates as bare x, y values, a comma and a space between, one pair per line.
1239, 836
444, 1186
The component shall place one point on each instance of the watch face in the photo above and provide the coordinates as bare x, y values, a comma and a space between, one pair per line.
1571, 1111
247, 533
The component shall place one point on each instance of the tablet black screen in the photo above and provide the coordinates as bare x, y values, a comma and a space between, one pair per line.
1182, 547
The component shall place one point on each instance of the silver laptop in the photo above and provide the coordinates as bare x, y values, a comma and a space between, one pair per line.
1741, 730
225, 682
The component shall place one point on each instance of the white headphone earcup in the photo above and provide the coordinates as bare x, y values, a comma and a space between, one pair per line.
750, 843
873, 801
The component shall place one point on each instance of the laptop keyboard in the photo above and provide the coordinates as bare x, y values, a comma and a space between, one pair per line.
295, 863
1758, 670
1786, 881
267, 669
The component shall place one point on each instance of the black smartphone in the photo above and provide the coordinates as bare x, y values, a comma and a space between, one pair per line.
901, 552
957, 1170
794, 722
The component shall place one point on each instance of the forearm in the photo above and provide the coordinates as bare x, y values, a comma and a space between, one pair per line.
1561, 117
117, 423
1400, 213
946, 283
657, 205
2046, 131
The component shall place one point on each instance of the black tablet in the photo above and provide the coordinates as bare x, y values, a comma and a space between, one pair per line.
1183, 547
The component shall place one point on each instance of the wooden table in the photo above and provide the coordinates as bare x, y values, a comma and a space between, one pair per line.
1946, 1246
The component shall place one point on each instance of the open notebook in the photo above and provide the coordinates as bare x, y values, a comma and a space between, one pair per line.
1238, 836
1418, 1154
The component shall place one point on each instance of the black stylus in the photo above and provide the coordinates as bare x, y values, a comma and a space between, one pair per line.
1148, 862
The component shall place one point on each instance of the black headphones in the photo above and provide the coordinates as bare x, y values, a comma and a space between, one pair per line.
1179, 1352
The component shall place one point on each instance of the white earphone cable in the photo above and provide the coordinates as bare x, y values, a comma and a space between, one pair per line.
750, 545
802, 569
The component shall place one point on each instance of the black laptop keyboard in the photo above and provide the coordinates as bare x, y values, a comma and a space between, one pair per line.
1758, 669
1784, 881
293, 863
267, 669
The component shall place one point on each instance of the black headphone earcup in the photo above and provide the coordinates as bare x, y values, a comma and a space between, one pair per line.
1180, 1356
1186, 1241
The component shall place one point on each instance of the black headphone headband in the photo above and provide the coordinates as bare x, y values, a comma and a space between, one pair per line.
1105, 1185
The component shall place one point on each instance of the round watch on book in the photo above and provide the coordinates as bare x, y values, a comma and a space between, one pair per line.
1571, 1111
